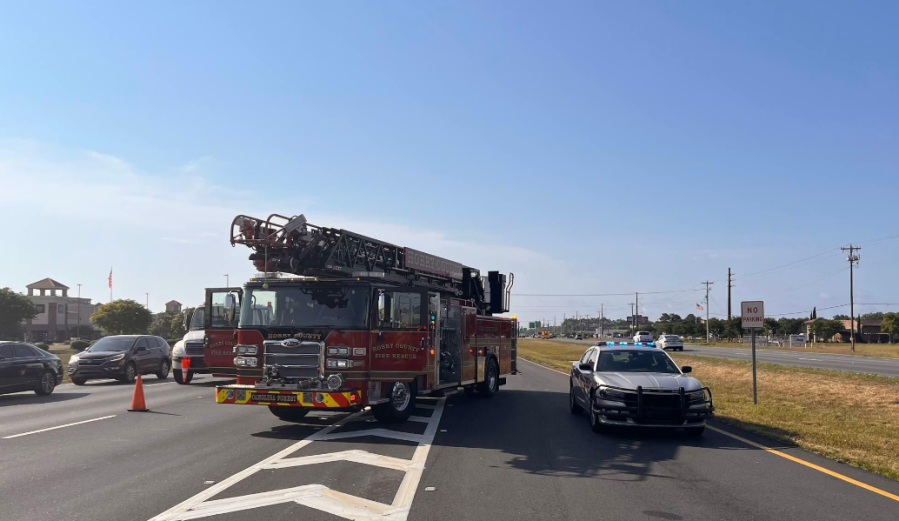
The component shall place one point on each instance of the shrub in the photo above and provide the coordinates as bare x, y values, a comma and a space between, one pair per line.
43, 346
79, 345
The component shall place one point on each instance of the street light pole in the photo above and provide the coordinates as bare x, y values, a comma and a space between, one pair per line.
227, 281
79, 311
148, 300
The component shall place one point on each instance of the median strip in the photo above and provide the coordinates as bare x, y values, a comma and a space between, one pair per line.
58, 427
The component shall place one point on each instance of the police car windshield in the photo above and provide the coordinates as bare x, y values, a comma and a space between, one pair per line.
636, 361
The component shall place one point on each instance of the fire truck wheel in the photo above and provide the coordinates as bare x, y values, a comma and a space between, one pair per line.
400, 405
490, 385
180, 377
288, 414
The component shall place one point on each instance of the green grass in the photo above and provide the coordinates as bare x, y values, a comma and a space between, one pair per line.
846, 416
64, 354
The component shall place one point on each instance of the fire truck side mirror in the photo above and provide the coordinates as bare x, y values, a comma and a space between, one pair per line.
230, 307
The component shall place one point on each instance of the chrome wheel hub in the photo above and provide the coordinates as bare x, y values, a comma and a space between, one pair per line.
400, 396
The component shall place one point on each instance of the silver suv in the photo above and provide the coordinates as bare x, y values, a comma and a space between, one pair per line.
633, 386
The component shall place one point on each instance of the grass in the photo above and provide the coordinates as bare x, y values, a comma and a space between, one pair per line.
845, 416
883, 350
64, 353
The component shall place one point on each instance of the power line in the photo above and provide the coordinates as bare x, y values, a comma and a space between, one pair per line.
805, 311
791, 265
597, 294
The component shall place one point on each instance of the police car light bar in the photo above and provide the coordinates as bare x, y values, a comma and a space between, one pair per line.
637, 344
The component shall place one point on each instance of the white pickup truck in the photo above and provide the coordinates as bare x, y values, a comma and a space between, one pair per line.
190, 348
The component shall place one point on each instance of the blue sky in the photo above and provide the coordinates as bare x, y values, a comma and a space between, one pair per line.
596, 147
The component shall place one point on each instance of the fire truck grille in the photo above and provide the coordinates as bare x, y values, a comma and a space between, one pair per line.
294, 359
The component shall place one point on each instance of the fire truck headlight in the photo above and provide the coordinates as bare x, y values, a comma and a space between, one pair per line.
229, 394
245, 361
358, 351
335, 381
336, 350
240, 349
338, 364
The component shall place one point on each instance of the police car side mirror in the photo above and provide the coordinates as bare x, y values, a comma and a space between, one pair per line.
585, 367
686, 369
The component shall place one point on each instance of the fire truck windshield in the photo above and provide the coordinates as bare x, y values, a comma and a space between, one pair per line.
292, 306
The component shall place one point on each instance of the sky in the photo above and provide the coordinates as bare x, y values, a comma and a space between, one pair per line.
592, 148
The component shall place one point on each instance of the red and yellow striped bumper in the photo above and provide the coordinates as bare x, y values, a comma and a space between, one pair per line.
311, 399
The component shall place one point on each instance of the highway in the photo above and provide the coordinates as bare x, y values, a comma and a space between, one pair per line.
519, 454
796, 357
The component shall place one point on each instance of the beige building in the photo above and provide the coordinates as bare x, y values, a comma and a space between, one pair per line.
58, 314
173, 306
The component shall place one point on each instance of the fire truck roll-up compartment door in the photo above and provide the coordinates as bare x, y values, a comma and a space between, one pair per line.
445, 336
221, 317
399, 343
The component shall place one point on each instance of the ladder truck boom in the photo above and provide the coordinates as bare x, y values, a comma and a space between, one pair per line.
293, 245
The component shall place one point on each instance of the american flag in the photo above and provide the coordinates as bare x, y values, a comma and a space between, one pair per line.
110, 278
697, 305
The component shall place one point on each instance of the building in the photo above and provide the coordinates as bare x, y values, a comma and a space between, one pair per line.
869, 333
173, 306
58, 314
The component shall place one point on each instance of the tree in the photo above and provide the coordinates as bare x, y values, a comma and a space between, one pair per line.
15, 308
890, 324
826, 328
772, 325
733, 327
162, 324
841, 317
876, 315
122, 317
814, 314
177, 330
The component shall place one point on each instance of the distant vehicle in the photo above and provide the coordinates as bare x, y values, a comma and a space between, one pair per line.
191, 348
643, 336
670, 342
121, 357
24, 367
578, 337
633, 386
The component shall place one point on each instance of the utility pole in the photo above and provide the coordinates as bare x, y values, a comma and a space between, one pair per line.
707, 286
729, 285
853, 260
633, 320
148, 300
602, 318
227, 281
636, 308
79, 310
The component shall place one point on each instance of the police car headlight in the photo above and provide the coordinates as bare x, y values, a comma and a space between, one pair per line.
611, 394
696, 396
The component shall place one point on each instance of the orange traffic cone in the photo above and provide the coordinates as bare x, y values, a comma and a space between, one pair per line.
137, 401
185, 365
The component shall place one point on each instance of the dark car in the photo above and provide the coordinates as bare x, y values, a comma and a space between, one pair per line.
24, 367
121, 357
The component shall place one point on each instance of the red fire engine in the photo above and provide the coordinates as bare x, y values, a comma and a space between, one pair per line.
336, 320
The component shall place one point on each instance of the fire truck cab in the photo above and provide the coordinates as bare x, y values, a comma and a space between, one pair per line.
358, 323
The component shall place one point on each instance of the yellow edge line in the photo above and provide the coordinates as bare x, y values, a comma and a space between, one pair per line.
776, 452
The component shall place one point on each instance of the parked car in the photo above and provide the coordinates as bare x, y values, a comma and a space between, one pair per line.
578, 337
643, 336
633, 386
24, 367
670, 342
121, 357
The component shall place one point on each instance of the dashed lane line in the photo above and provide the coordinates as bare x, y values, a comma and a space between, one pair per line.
776, 452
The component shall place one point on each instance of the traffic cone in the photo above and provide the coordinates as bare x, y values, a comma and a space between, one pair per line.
185, 366
137, 401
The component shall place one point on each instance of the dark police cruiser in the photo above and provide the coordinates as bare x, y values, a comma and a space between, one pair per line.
637, 385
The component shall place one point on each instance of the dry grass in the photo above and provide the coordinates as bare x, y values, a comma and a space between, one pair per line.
849, 417
883, 350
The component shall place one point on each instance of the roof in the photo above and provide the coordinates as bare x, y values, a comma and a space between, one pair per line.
172, 302
47, 283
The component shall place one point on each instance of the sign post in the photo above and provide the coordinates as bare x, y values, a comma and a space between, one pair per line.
753, 318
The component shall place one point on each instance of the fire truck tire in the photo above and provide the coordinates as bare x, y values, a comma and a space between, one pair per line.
288, 414
400, 405
181, 378
490, 385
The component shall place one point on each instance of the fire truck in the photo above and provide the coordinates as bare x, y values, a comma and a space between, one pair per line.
335, 320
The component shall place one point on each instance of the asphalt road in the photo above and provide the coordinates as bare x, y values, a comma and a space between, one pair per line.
795, 357
519, 454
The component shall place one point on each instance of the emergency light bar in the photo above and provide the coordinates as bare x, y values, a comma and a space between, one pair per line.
624, 344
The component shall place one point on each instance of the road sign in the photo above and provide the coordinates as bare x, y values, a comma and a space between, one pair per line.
753, 313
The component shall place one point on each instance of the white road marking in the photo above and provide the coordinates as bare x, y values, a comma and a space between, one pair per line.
811, 359
319, 496
59, 427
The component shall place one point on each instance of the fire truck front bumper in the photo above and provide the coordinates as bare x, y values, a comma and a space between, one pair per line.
249, 395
